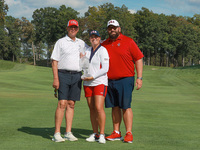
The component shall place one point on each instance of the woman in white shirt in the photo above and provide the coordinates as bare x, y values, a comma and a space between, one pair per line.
95, 85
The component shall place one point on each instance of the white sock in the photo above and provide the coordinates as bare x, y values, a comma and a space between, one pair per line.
117, 131
102, 134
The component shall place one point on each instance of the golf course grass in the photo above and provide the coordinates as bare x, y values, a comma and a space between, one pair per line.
166, 111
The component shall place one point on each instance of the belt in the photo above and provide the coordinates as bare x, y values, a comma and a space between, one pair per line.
116, 79
68, 71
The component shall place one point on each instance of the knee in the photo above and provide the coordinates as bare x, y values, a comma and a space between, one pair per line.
71, 104
91, 107
92, 110
61, 104
99, 110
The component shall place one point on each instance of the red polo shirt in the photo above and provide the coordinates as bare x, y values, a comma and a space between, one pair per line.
123, 52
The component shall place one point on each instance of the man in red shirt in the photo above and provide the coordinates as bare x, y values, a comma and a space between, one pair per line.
124, 55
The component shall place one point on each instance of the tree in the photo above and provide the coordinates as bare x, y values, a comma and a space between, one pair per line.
97, 18
144, 23
26, 37
160, 39
65, 14
3, 12
126, 20
13, 43
3, 33
50, 25
164, 40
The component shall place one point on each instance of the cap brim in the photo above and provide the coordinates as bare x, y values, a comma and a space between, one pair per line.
113, 25
95, 34
73, 25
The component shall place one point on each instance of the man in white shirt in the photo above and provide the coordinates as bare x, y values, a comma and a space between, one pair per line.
67, 78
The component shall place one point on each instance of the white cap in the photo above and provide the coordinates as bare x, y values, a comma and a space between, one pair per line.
113, 22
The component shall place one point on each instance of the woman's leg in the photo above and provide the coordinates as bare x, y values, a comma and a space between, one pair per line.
99, 105
93, 115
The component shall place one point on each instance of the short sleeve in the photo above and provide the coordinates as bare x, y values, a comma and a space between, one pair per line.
56, 51
135, 51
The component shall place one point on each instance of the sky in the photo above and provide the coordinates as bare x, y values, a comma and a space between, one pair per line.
25, 8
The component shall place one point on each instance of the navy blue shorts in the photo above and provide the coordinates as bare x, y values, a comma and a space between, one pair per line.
70, 86
119, 93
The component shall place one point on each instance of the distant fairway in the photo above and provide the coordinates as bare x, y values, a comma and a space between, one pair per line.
166, 111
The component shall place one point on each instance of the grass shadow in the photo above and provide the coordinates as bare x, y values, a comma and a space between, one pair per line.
48, 132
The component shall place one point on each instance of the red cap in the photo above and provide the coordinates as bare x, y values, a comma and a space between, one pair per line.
72, 23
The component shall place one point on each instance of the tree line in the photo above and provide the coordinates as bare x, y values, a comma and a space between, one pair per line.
164, 40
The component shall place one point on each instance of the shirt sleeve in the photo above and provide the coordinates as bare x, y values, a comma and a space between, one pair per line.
102, 71
56, 52
135, 51
104, 58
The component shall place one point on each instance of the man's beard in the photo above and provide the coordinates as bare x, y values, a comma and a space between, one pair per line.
113, 37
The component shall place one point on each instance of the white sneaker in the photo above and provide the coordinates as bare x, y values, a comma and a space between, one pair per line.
102, 139
92, 138
57, 137
69, 136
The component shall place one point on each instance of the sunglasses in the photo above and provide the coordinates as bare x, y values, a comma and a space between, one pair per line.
112, 27
55, 93
75, 27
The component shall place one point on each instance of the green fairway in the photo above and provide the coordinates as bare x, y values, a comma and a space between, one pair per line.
166, 111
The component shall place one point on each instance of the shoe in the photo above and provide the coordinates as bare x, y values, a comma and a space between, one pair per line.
114, 136
93, 137
57, 137
69, 136
102, 139
128, 137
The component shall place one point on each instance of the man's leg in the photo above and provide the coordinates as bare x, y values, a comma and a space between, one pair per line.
59, 114
117, 118
69, 119
69, 114
128, 119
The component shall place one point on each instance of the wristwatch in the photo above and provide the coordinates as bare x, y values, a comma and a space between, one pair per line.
139, 78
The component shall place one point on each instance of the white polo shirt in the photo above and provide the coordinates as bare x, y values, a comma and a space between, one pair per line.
98, 66
67, 53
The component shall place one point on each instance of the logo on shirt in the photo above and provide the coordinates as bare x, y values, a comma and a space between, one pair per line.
118, 44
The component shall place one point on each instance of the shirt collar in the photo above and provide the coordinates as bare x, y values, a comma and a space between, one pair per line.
93, 52
69, 39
